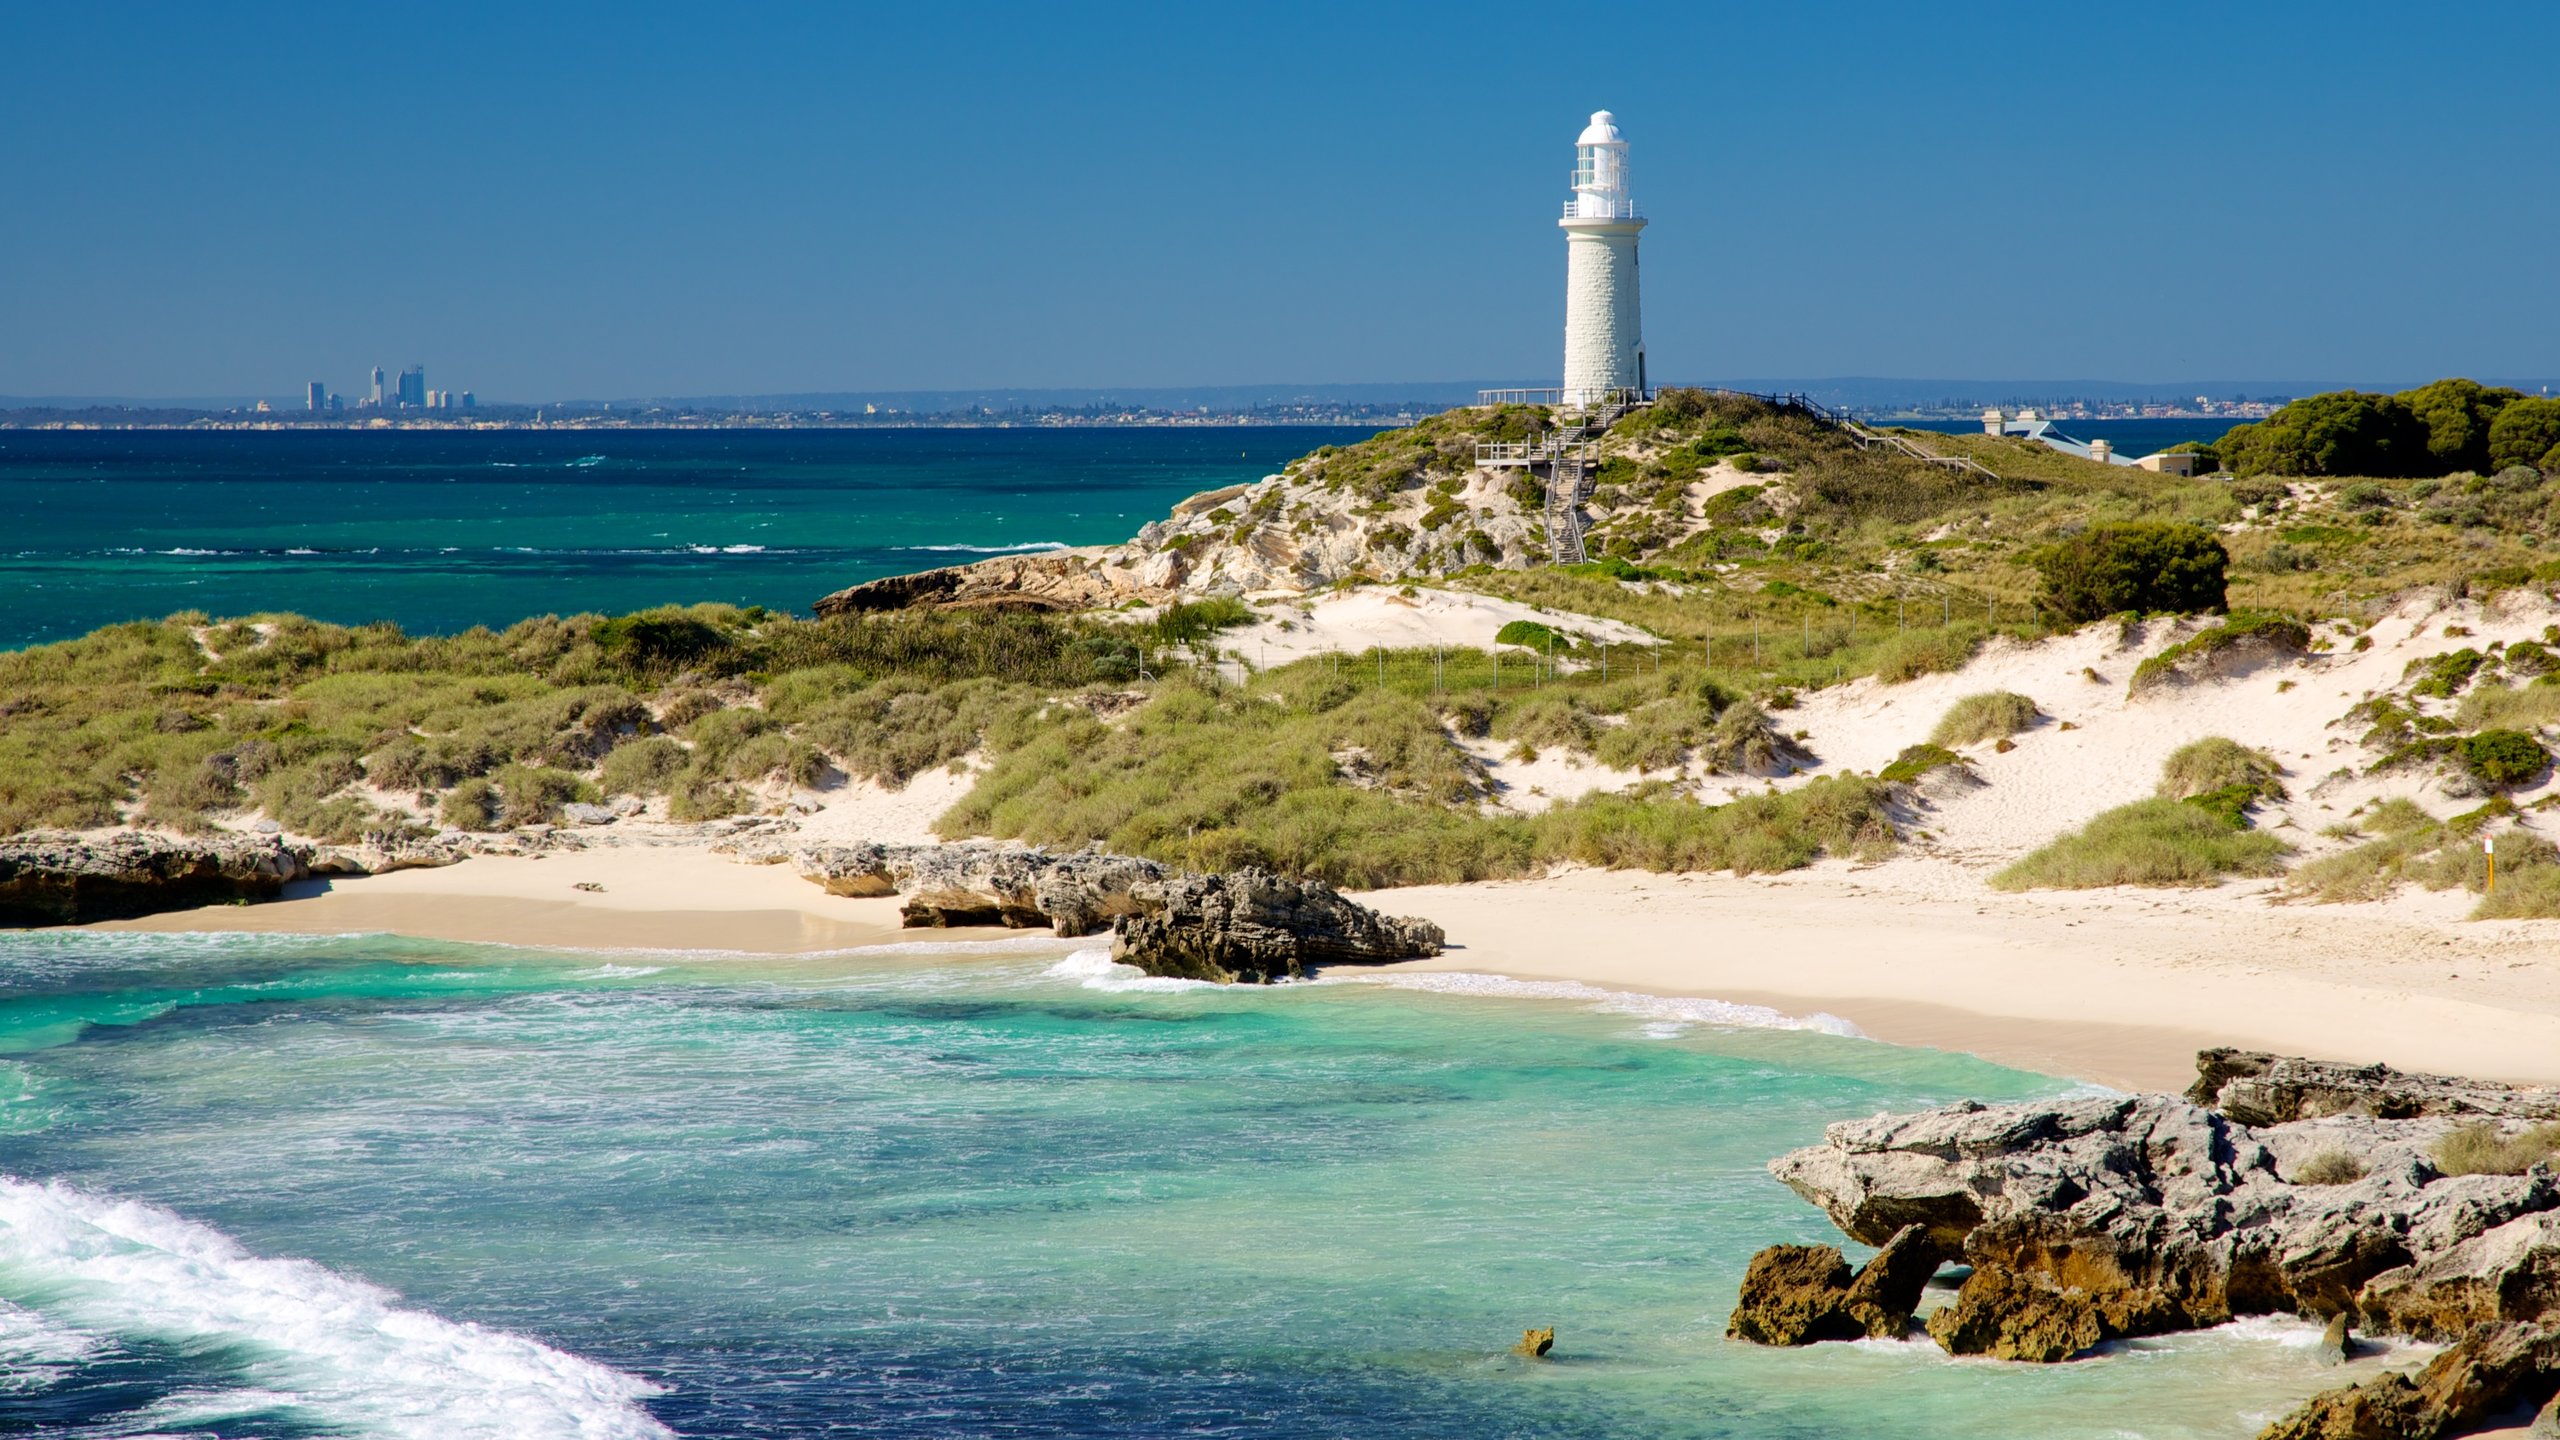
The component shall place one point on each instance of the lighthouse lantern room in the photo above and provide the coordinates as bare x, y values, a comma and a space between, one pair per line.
1603, 329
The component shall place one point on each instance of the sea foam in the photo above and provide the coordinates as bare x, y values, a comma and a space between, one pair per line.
338, 1350
1665, 1015
1096, 970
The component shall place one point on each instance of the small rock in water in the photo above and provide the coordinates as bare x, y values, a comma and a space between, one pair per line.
2335, 1342
1536, 1343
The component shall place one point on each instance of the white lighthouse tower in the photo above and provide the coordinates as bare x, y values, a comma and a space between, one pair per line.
1603, 333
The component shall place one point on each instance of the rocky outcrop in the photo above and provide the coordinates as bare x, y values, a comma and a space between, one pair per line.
1536, 1343
1254, 925
2491, 1370
1077, 893
1066, 581
66, 879
1247, 925
2256, 1088
1800, 1294
2096, 1219
62, 878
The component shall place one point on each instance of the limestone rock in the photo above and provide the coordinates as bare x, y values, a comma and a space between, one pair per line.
1536, 1343
2336, 1342
1060, 581
1254, 925
1794, 1295
2256, 1088
60, 878
2493, 1368
2546, 1423
2093, 1219
1888, 1287
1799, 1294
1079, 893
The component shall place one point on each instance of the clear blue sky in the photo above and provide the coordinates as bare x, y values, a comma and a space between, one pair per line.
547, 201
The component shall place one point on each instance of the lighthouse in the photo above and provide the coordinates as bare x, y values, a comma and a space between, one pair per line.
1603, 333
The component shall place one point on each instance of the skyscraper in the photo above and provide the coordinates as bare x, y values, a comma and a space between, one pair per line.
319, 397
413, 387
377, 387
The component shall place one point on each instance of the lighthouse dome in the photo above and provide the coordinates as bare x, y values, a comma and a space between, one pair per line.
1603, 130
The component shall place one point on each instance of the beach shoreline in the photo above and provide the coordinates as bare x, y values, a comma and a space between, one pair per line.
2116, 988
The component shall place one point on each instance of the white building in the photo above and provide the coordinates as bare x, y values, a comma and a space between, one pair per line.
1603, 329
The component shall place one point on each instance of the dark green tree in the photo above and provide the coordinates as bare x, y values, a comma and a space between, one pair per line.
2344, 432
2457, 414
2141, 566
2524, 433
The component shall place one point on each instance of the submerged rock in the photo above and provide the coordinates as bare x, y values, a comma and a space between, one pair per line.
1536, 1343
1254, 925
2337, 1342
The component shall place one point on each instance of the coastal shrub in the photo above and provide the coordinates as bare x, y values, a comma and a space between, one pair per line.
1918, 760
642, 767
2524, 432
2485, 1149
2139, 566
2526, 891
2503, 759
1548, 721
2328, 1167
2370, 871
1987, 716
1910, 654
1658, 734
2343, 432
776, 756
2217, 763
1841, 815
2510, 707
471, 805
533, 794
2276, 634
1189, 622
1532, 635
897, 729
2154, 842
1745, 742
656, 643
695, 795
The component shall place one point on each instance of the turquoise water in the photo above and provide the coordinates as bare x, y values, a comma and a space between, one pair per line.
439, 531
265, 1186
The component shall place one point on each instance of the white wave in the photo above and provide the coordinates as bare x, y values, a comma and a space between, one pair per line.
340, 1349
1667, 1015
725, 549
619, 972
991, 549
36, 1353
184, 550
1096, 970
298, 550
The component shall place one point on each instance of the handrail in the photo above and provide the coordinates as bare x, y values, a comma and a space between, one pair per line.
1611, 210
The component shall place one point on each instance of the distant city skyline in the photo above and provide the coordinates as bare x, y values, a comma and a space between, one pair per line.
823, 199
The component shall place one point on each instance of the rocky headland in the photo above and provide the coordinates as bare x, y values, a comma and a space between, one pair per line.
2419, 1206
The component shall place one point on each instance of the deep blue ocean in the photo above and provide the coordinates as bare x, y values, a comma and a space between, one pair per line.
441, 531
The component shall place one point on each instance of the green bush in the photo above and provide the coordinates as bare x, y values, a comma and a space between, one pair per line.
1918, 760
1188, 622
2216, 763
2503, 759
1532, 635
2137, 566
2344, 432
533, 795
643, 767
1987, 716
471, 805
2149, 842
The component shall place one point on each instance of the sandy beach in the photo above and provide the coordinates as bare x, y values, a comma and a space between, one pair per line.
2116, 988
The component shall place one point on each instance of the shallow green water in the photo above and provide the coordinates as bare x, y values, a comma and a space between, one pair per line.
903, 1192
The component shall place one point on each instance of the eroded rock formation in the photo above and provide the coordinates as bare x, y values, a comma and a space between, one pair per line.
2096, 1219
1246, 925
64, 878
1253, 925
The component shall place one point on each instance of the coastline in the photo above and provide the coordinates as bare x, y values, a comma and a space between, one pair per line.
1914, 952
